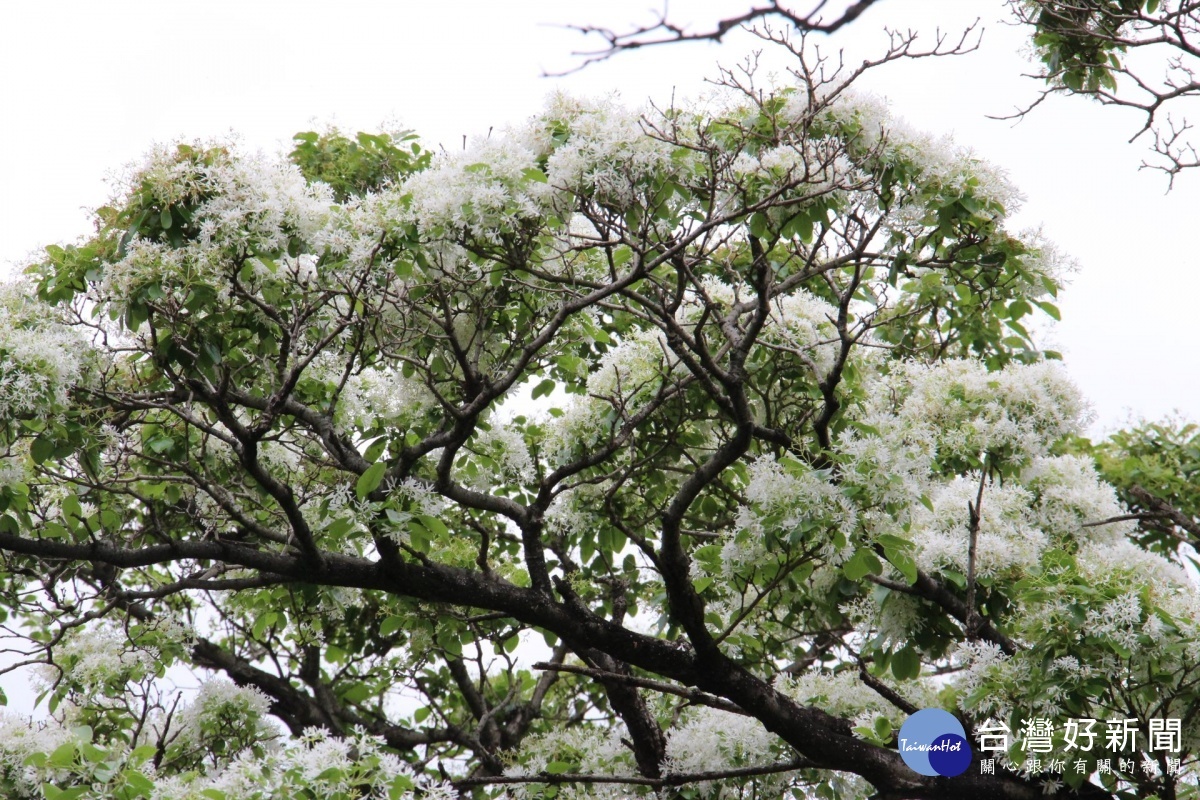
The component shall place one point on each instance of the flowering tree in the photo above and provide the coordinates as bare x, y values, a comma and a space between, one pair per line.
686, 448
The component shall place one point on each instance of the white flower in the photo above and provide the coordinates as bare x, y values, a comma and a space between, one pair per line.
20, 738
224, 701
382, 395
240, 205
791, 494
711, 740
98, 656
40, 358
843, 694
507, 443
607, 151
965, 411
1120, 620
484, 190
1123, 561
939, 161
594, 750
1069, 494
1006, 538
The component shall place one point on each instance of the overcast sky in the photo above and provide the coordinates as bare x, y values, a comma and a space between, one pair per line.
90, 86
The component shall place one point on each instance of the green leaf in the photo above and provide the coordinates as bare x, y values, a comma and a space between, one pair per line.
214, 353
140, 755
758, 225
262, 622
557, 768
41, 449
861, 564
375, 449
369, 481
903, 563
356, 693
599, 335
447, 639
135, 314
955, 577
1018, 308
1049, 308
544, 388
883, 729
434, 525
93, 754
401, 785
161, 444
906, 664
63, 756
390, 625
164, 219
140, 784
802, 226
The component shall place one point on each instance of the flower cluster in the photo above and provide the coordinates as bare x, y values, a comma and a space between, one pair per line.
40, 358
939, 163
98, 659
237, 205
222, 716
354, 767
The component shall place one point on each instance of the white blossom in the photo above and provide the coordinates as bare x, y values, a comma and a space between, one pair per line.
1007, 538
220, 704
382, 395
1068, 494
607, 151
40, 359
485, 190
98, 656
241, 205
939, 161
710, 739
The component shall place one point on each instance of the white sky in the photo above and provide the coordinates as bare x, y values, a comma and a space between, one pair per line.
88, 87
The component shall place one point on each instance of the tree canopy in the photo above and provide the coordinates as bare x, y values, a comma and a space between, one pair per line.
683, 450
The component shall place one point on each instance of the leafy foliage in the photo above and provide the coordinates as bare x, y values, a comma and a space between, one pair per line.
1155, 467
354, 167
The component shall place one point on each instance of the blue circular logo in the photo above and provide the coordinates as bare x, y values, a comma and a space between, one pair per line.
932, 742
